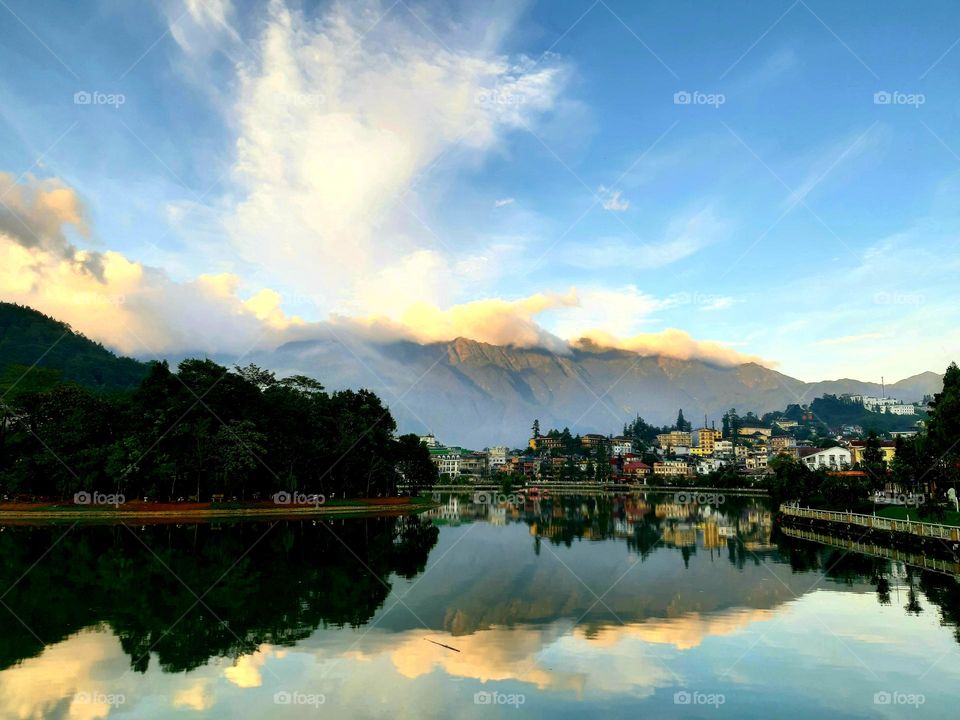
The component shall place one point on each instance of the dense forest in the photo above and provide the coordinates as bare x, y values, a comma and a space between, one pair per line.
31, 339
84, 420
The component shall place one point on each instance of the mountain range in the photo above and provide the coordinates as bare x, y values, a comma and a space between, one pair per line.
475, 394
467, 392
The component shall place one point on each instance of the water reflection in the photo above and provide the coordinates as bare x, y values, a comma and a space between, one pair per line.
577, 604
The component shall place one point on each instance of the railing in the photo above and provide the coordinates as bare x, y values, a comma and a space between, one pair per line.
949, 567
912, 527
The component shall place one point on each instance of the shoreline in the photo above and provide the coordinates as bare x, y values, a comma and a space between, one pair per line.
166, 514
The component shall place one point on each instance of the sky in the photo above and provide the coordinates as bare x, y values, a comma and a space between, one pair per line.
734, 181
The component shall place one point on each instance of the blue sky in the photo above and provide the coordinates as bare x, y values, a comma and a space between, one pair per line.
514, 172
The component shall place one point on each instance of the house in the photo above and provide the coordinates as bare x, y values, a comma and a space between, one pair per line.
709, 465
671, 468
592, 440
636, 469
621, 446
858, 448
833, 458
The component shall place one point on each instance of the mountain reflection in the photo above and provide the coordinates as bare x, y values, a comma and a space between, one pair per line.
599, 569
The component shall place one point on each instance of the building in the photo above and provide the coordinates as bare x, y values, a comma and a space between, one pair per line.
474, 464
834, 458
674, 438
858, 447
723, 448
751, 431
592, 440
545, 442
779, 443
621, 446
670, 468
498, 456
706, 437
430, 441
447, 460
709, 465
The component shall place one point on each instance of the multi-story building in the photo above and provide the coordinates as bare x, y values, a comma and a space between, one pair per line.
498, 456
447, 460
674, 438
592, 440
834, 458
430, 441
621, 446
545, 442
671, 468
858, 447
752, 430
705, 439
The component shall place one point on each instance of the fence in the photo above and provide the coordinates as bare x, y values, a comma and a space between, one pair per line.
911, 527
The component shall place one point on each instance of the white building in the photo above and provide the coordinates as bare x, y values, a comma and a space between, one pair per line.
498, 455
621, 446
430, 441
449, 463
709, 465
834, 458
901, 409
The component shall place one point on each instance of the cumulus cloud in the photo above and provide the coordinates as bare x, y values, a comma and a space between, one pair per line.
38, 213
336, 123
129, 306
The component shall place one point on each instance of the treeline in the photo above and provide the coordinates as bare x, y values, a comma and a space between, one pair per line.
205, 430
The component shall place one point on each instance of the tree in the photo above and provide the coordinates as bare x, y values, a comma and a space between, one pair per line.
873, 462
414, 465
683, 425
536, 428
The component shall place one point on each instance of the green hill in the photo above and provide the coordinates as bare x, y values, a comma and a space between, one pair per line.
60, 353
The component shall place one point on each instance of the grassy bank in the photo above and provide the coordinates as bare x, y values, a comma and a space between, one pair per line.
899, 512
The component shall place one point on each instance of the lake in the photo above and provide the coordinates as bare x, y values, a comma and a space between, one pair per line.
489, 606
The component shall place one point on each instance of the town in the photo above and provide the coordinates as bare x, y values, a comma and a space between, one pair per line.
742, 450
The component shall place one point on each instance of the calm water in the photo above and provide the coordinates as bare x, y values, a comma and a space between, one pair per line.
565, 607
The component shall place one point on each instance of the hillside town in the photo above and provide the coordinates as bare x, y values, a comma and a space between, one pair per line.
743, 447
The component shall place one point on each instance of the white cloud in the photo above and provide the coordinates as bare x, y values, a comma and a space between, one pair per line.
503, 202
335, 126
612, 200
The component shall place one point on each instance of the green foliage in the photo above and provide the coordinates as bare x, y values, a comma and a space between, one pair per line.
28, 337
206, 430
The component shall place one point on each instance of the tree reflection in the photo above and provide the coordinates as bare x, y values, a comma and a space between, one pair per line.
191, 593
